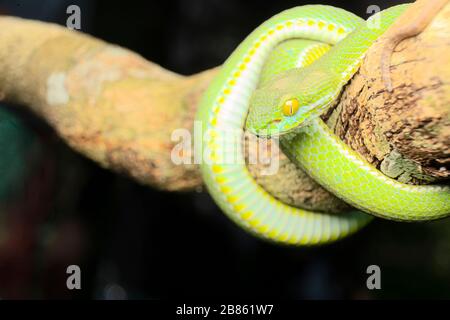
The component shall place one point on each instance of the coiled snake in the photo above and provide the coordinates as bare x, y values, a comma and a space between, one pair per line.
280, 60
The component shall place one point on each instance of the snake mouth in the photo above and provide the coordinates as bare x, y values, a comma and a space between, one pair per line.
271, 129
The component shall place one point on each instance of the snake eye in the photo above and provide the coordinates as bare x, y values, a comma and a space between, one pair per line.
290, 107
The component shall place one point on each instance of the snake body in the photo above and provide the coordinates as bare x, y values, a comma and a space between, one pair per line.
225, 105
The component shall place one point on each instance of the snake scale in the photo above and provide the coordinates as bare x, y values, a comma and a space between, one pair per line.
287, 72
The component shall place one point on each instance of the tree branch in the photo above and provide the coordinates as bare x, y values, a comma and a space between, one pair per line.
120, 110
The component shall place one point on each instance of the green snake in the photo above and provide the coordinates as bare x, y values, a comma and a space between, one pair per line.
277, 74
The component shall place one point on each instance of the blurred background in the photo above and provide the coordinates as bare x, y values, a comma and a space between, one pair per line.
58, 208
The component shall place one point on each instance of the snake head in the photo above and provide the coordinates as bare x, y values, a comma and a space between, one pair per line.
288, 102
278, 107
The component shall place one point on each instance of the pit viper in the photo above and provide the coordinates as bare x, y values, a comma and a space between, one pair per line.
288, 72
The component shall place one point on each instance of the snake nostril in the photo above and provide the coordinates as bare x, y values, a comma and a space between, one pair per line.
275, 121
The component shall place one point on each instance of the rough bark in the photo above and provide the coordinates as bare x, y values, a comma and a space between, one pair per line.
120, 110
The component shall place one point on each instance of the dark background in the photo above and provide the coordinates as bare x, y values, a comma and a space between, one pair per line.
134, 242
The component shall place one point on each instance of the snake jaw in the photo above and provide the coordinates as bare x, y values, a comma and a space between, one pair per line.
270, 129
275, 129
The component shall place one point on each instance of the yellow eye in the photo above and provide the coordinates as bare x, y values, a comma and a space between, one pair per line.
290, 107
